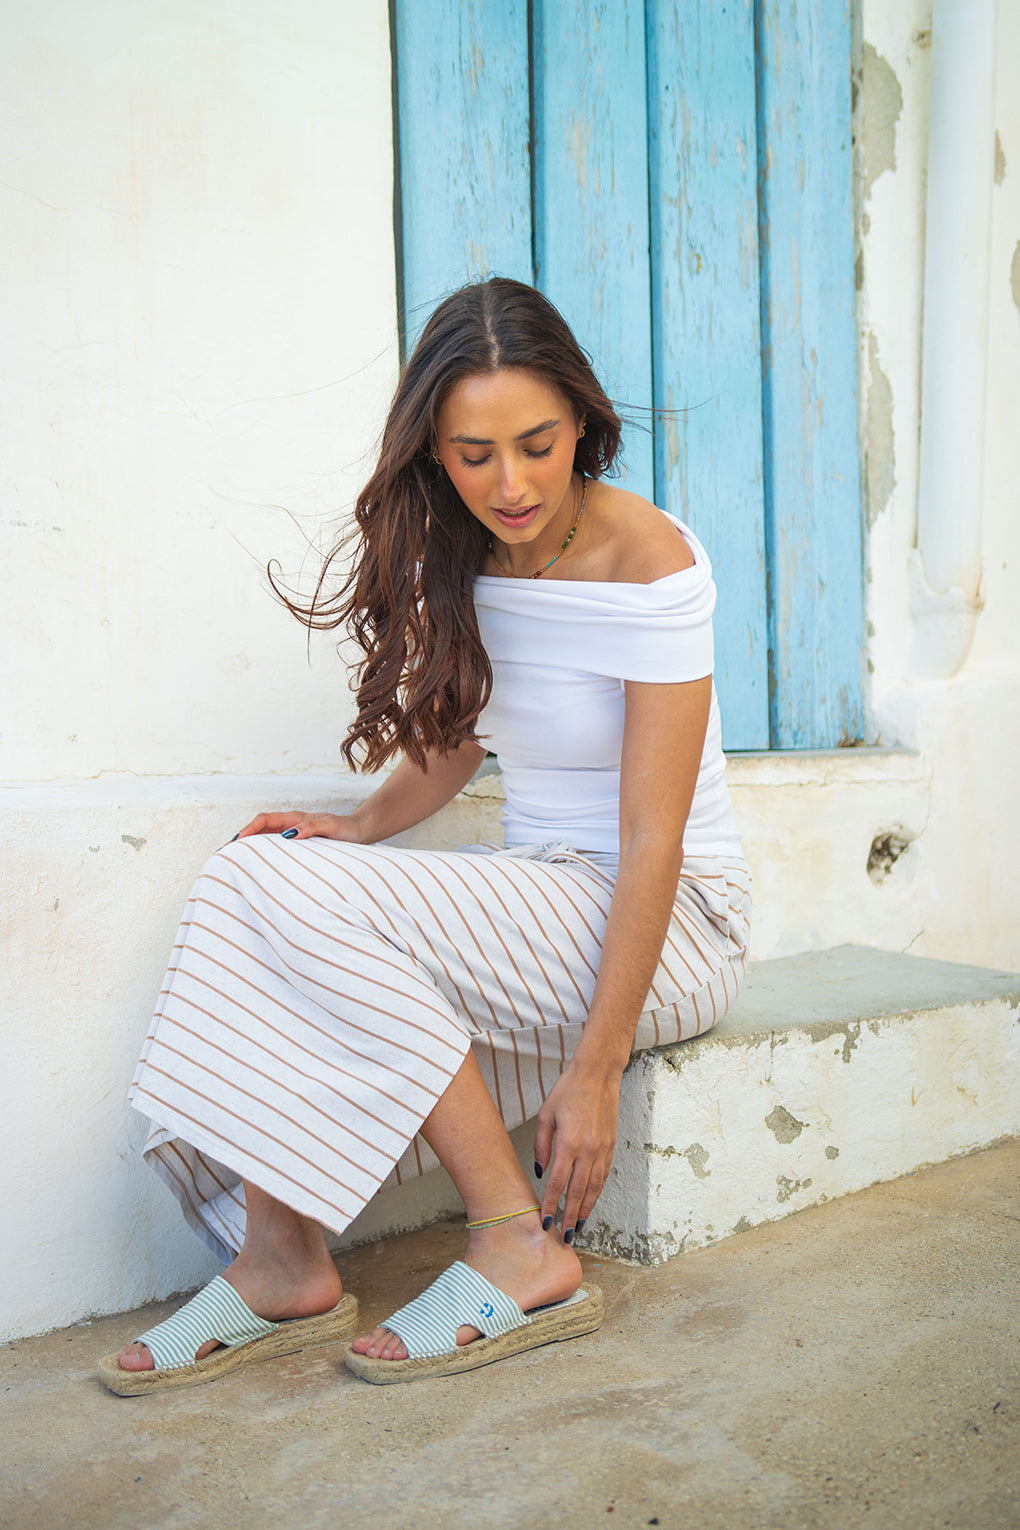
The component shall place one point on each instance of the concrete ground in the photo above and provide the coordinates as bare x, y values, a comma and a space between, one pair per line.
857, 1364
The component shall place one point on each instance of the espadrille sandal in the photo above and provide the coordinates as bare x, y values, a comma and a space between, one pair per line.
427, 1327
217, 1312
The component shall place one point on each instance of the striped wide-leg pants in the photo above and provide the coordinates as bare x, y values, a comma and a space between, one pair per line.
321, 996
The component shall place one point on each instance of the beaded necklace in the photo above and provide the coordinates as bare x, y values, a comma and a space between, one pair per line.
508, 573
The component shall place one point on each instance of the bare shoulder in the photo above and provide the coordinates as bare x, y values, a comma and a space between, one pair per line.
637, 543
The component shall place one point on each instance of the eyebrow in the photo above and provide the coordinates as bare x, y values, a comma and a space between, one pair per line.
536, 430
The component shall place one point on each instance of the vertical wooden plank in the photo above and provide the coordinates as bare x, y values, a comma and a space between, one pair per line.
705, 308
591, 197
809, 372
464, 129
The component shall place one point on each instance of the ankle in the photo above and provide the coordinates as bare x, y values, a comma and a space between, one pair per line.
523, 1238
515, 1212
288, 1250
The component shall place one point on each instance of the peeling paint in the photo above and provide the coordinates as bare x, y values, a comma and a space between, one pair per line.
881, 107
886, 849
129, 839
789, 1187
1000, 160
696, 1155
823, 1032
649, 1249
743, 1225
784, 1126
880, 448
831, 1152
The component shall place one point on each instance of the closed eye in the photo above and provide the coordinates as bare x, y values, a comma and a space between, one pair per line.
481, 461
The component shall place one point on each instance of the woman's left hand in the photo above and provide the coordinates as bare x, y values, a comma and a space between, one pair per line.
575, 1140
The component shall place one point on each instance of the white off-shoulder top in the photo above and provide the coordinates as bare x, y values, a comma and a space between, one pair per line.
560, 651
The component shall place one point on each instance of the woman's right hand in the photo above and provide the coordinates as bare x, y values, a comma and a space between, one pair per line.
308, 826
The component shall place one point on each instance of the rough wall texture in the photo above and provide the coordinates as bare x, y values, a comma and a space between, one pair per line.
957, 871
198, 287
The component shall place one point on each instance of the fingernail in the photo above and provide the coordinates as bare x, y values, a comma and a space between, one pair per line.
546, 1223
539, 1171
236, 836
568, 1236
580, 1225
289, 834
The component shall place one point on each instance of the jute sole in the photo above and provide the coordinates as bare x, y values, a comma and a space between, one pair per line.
548, 1325
335, 1327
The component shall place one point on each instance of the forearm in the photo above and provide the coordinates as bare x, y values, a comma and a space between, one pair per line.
408, 795
639, 917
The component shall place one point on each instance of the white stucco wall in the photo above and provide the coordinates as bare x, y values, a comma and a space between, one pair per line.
197, 298
198, 318
198, 308
959, 872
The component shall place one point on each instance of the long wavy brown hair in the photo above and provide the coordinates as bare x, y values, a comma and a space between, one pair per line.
407, 600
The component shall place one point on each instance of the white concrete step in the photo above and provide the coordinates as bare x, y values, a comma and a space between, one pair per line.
834, 1070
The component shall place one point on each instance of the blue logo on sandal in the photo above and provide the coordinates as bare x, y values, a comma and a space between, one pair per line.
487, 1310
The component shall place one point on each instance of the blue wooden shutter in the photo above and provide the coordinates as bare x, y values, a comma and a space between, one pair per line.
463, 143
591, 198
809, 371
707, 343
676, 177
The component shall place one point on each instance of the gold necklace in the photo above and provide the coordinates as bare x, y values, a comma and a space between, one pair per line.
509, 574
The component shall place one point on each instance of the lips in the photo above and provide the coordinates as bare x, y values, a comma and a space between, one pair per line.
515, 517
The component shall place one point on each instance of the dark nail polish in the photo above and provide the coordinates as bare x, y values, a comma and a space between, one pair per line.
539, 1171
546, 1223
580, 1226
236, 836
289, 834
568, 1236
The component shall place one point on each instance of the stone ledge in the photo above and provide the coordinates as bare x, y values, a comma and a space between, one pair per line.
835, 1070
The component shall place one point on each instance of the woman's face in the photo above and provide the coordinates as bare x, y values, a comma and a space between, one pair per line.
507, 441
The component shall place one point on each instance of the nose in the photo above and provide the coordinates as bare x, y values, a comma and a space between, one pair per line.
512, 482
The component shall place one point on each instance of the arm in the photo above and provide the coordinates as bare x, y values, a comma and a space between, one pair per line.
405, 797
664, 734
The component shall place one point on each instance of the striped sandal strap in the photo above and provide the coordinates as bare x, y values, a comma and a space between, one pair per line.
216, 1312
428, 1325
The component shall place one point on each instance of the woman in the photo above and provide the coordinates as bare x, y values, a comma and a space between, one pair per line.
336, 1008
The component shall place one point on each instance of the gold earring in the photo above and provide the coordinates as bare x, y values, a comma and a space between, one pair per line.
436, 458
581, 431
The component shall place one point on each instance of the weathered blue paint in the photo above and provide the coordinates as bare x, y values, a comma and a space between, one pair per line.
465, 173
809, 372
591, 197
704, 223
638, 218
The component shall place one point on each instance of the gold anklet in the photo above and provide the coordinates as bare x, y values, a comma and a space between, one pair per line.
495, 1221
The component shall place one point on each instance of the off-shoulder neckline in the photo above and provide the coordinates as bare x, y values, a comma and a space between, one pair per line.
587, 584
615, 584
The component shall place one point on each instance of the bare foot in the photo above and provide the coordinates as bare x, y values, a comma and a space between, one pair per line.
271, 1291
530, 1266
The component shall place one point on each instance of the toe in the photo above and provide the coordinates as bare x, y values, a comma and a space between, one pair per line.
393, 1347
380, 1344
135, 1358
